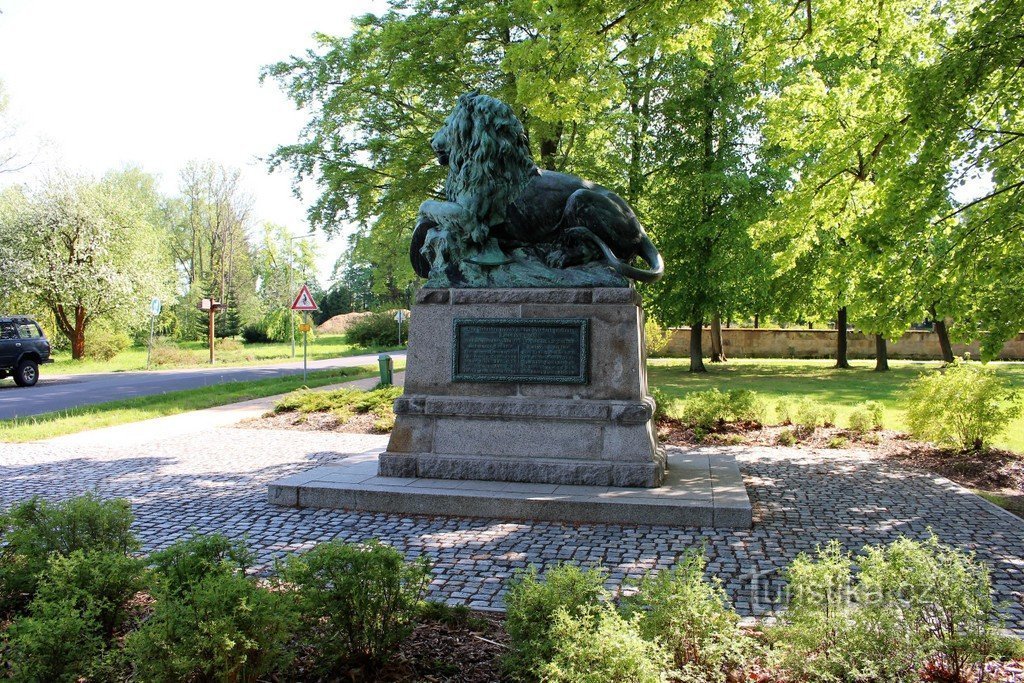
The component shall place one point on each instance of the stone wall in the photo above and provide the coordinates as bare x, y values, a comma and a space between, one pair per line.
746, 342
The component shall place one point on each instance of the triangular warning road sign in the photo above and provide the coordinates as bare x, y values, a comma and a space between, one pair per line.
304, 301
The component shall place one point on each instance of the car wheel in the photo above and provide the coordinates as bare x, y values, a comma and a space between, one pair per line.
27, 374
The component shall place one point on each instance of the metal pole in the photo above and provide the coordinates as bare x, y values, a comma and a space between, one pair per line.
149, 351
291, 313
305, 336
213, 308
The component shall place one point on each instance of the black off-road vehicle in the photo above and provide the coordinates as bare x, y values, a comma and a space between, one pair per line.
23, 348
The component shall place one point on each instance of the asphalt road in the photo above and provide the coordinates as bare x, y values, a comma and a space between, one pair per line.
59, 392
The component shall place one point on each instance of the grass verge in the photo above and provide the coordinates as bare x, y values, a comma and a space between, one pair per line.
842, 390
196, 354
112, 413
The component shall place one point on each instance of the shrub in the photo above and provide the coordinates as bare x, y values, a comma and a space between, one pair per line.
103, 343
186, 563
940, 595
709, 410
358, 602
96, 583
228, 344
255, 333
597, 645
530, 608
784, 411
657, 338
56, 642
223, 628
965, 406
692, 618
166, 354
824, 636
32, 531
662, 402
377, 329
866, 417
838, 441
345, 403
787, 437
810, 414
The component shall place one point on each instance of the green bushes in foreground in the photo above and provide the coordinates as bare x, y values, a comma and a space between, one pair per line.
82, 607
914, 607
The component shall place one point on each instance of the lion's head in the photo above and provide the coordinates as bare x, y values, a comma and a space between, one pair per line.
487, 154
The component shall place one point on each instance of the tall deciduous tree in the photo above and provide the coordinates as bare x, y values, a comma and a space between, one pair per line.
85, 250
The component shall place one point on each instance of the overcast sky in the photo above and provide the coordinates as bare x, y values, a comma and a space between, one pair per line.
114, 82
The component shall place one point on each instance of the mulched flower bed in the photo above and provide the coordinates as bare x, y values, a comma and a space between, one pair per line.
994, 471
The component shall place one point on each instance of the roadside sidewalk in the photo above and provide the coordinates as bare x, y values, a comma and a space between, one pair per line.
138, 433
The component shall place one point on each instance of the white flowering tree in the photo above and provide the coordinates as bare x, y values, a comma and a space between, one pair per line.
85, 250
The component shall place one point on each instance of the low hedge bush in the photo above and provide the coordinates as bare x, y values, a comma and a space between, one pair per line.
222, 628
598, 645
531, 604
965, 406
706, 411
358, 601
33, 531
377, 329
184, 564
692, 617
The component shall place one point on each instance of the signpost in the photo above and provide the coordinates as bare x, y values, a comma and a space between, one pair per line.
304, 302
211, 307
400, 318
154, 310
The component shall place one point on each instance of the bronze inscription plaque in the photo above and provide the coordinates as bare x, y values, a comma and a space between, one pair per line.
539, 350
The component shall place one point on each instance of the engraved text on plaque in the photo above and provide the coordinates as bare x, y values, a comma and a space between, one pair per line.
545, 350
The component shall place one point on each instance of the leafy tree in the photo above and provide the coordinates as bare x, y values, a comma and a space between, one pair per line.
710, 181
84, 250
838, 106
376, 97
208, 238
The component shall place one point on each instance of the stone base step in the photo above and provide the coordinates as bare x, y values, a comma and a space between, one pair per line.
699, 491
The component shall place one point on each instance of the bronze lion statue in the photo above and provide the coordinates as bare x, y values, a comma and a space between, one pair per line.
505, 222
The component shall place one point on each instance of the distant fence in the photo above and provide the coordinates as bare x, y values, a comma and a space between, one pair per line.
748, 342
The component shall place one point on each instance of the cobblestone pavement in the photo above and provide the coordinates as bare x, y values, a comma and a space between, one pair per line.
215, 480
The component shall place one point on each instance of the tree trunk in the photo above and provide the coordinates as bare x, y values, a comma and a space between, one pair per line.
78, 337
696, 349
757, 320
717, 349
881, 354
841, 360
942, 330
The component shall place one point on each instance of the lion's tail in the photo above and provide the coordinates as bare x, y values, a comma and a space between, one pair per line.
648, 252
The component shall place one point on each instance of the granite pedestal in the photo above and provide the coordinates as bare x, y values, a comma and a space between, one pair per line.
466, 415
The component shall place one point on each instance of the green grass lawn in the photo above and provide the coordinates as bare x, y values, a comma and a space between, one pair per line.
842, 389
171, 403
197, 354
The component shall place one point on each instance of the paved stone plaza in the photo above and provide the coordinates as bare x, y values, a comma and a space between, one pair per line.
215, 479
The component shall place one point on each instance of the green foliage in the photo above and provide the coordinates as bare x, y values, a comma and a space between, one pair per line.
58, 641
345, 403
531, 605
939, 594
597, 645
823, 636
866, 417
223, 627
787, 437
710, 410
965, 406
35, 530
255, 333
186, 563
806, 414
97, 583
692, 618
104, 343
358, 602
912, 602
378, 329
662, 403
169, 354
656, 338
838, 441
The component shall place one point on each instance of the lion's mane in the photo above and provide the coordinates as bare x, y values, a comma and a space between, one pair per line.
489, 157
